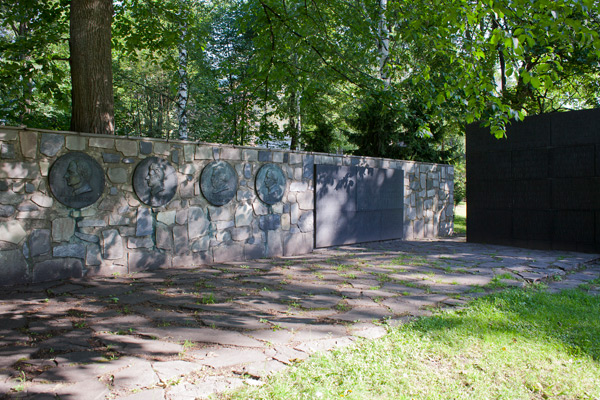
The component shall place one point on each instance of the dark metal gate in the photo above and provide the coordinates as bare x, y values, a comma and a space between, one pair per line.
357, 204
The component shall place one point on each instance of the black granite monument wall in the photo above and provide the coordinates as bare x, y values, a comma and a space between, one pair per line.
357, 204
540, 186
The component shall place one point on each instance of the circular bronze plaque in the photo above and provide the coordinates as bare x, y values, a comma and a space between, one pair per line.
155, 181
76, 180
218, 182
270, 183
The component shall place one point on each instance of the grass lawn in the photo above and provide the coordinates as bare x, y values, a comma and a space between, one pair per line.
518, 344
460, 219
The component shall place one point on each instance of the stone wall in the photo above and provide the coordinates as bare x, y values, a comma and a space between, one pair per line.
41, 239
428, 200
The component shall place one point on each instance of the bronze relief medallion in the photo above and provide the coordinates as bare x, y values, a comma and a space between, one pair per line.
155, 181
76, 180
218, 182
270, 183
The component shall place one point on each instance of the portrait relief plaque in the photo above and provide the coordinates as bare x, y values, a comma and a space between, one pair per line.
218, 182
270, 183
76, 180
155, 181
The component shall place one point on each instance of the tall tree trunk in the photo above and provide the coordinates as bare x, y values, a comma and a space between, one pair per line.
383, 44
502, 70
294, 119
91, 67
243, 119
182, 92
26, 100
299, 116
27, 96
159, 117
499, 47
150, 116
294, 114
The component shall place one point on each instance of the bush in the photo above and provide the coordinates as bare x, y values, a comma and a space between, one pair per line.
460, 182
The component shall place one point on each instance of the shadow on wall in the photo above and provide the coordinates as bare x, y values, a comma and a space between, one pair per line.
357, 204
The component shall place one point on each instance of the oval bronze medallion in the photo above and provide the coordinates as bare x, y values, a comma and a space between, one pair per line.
270, 183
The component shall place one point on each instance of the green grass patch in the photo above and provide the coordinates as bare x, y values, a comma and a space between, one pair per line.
207, 299
497, 281
505, 275
346, 267
460, 219
411, 259
518, 344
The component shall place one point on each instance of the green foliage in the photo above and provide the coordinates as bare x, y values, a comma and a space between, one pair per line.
377, 130
207, 299
321, 139
147, 38
144, 96
382, 131
232, 96
34, 88
307, 74
460, 182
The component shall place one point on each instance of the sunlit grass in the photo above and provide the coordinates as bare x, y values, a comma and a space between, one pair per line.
518, 344
460, 219
410, 259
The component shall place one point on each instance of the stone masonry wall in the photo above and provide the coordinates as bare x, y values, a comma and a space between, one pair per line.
428, 200
43, 240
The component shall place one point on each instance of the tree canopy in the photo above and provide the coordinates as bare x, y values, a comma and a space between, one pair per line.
382, 77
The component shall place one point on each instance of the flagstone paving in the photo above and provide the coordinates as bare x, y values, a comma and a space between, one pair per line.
191, 333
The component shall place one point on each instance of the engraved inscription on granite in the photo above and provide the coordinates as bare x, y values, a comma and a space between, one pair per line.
76, 180
270, 183
155, 181
218, 182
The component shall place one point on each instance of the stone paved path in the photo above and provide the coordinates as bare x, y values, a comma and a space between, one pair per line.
189, 333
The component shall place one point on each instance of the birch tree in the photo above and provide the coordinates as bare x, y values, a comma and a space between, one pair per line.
383, 42
183, 90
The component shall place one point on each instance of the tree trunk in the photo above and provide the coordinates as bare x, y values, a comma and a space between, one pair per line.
182, 92
159, 116
244, 119
299, 116
383, 43
294, 114
295, 127
91, 67
495, 25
